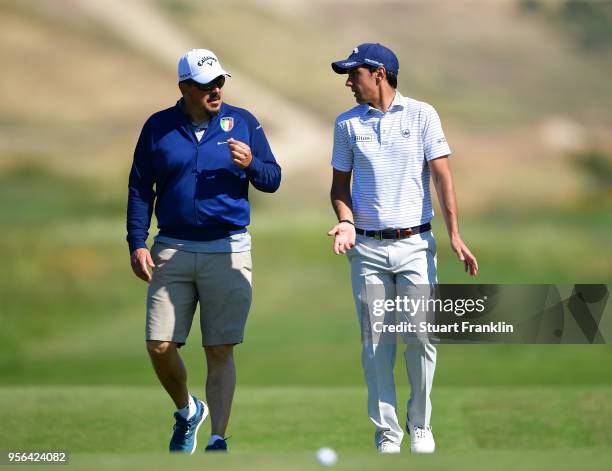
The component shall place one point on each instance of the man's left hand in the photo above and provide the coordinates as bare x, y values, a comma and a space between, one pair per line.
469, 260
241, 153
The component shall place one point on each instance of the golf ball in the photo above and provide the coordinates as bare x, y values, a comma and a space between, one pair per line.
327, 456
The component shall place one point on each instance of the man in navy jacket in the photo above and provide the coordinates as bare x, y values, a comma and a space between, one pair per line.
193, 164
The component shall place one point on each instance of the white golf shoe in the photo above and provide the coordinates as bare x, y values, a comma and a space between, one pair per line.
387, 447
421, 439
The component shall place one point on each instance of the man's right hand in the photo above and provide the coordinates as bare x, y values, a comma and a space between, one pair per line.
344, 237
141, 261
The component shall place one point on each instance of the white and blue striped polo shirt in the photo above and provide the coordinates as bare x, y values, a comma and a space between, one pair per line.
388, 155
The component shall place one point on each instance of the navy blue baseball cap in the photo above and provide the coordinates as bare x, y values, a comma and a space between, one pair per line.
369, 54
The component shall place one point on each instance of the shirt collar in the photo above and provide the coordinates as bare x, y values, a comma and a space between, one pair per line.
396, 105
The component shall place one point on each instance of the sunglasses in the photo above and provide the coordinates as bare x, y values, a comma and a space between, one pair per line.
207, 87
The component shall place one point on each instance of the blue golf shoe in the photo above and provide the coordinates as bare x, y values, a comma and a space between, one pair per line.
185, 436
220, 444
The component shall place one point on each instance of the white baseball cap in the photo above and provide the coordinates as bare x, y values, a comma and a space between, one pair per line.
200, 65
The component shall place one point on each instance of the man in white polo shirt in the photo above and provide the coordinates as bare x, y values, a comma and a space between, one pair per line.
390, 145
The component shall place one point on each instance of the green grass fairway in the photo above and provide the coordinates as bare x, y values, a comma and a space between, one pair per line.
74, 373
109, 427
583, 459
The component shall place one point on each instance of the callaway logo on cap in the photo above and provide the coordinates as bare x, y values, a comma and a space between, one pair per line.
200, 65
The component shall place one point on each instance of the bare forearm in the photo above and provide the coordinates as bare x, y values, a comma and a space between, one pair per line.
342, 203
340, 194
443, 181
448, 202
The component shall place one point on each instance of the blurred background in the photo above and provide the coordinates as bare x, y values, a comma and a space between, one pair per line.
524, 92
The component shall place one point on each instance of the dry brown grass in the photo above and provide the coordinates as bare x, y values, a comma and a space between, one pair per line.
71, 101
76, 101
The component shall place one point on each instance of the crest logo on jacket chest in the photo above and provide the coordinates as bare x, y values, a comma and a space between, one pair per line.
227, 124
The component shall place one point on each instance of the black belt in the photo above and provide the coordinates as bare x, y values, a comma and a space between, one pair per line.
395, 233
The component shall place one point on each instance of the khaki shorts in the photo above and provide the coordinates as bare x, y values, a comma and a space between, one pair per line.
220, 282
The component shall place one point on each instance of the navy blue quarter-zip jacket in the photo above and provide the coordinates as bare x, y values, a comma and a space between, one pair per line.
198, 192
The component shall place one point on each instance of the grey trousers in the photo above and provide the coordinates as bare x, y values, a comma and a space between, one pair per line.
387, 269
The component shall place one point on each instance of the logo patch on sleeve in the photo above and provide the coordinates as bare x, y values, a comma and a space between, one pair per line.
227, 124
